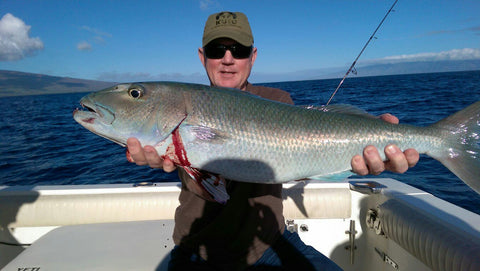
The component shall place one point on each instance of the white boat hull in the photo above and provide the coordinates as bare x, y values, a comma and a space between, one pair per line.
127, 227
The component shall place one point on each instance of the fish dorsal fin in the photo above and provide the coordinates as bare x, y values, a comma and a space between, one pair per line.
342, 109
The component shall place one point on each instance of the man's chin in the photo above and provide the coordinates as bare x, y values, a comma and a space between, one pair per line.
228, 83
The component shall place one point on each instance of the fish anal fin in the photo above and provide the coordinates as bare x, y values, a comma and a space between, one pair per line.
333, 177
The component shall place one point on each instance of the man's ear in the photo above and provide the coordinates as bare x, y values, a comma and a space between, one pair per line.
254, 55
201, 55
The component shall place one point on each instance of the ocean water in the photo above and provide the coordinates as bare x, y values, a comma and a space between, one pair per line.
42, 144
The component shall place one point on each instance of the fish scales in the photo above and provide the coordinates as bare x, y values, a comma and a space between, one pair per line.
285, 140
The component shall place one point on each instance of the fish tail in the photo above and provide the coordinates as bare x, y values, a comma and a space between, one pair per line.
462, 155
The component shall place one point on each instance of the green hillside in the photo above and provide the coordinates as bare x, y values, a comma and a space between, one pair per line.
13, 83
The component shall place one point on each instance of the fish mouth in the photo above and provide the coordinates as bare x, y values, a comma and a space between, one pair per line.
91, 112
96, 118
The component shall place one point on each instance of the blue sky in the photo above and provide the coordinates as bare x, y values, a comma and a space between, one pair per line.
158, 40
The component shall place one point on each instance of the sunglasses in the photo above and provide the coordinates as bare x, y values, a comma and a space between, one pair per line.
217, 51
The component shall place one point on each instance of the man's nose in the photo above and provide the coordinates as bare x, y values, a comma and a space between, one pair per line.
227, 58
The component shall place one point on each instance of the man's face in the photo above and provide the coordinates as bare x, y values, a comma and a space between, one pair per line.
228, 71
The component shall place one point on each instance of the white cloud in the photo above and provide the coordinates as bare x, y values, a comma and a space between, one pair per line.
99, 37
455, 54
207, 4
15, 43
474, 29
84, 46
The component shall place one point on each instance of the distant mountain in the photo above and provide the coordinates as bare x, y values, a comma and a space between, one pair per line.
409, 68
369, 70
13, 83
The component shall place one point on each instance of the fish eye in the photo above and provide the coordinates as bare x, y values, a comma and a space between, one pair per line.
135, 93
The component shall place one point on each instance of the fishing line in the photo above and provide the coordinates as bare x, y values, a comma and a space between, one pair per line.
352, 67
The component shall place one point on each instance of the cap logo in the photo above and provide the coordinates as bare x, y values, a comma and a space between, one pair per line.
230, 25
226, 18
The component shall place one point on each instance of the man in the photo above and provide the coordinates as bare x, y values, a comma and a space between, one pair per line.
248, 231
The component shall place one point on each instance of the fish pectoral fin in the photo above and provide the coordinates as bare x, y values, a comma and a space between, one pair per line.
213, 184
334, 177
206, 134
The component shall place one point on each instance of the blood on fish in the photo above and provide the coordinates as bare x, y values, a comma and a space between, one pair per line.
180, 158
89, 120
179, 149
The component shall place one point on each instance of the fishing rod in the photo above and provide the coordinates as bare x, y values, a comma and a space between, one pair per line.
361, 52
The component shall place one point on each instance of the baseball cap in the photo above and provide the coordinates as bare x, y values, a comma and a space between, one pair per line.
226, 24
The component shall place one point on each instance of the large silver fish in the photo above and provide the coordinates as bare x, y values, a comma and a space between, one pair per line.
242, 137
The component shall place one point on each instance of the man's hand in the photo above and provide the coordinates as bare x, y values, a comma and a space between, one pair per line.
398, 161
147, 156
